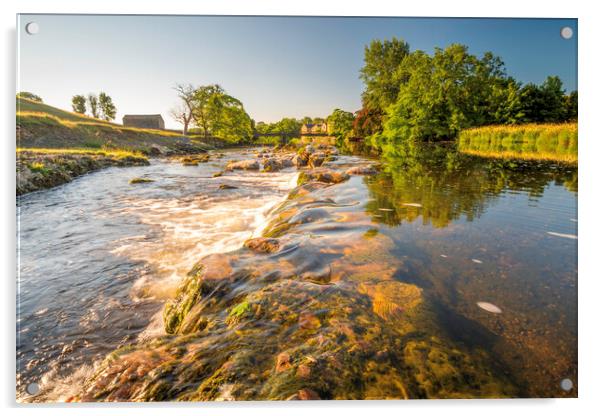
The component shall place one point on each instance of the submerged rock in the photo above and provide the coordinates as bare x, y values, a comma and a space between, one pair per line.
263, 245
322, 175
250, 164
141, 180
226, 186
362, 170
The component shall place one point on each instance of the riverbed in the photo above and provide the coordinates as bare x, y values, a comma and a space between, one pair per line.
488, 245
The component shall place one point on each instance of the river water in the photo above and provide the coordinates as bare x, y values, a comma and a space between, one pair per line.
99, 256
492, 243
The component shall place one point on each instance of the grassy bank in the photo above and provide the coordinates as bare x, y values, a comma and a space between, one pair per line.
556, 142
45, 168
43, 126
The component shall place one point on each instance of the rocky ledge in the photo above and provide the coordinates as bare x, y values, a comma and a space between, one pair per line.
42, 170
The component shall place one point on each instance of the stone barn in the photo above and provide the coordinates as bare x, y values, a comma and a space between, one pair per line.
144, 121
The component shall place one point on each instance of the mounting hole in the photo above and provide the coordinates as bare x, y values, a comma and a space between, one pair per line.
566, 384
33, 388
566, 32
32, 28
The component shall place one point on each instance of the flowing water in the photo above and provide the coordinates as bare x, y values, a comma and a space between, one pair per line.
98, 256
491, 244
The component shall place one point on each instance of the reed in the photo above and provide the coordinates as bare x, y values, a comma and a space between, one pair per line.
556, 142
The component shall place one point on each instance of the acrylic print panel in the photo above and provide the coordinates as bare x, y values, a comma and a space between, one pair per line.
287, 208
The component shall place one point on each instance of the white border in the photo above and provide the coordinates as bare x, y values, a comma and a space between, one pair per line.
590, 202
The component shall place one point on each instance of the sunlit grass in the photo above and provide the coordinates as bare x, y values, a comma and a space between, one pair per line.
557, 142
117, 153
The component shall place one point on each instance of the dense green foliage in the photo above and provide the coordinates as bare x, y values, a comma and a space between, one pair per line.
107, 108
220, 115
287, 127
30, 96
340, 123
417, 96
78, 103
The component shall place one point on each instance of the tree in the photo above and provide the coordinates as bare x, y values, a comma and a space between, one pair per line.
571, 106
93, 104
367, 122
78, 103
379, 73
29, 96
340, 123
306, 120
106, 106
221, 115
183, 113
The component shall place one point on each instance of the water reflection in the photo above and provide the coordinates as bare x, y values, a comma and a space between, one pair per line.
439, 185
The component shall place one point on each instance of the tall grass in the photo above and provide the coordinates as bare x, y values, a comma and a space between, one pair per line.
557, 142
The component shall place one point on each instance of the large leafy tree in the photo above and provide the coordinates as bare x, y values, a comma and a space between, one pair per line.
106, 106
447, 92
379, 73
78, 103
220, 115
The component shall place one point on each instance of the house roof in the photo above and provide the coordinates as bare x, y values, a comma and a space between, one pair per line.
141, 116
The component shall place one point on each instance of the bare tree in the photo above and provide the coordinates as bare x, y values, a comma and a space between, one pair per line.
183, 112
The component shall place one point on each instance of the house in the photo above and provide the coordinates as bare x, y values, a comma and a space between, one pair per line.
144, 121
317, 128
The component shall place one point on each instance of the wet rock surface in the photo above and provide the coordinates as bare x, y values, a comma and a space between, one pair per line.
311, 310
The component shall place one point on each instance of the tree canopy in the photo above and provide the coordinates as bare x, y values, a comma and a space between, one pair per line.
417, 96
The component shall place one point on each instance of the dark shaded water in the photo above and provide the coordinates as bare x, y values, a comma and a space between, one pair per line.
98, 256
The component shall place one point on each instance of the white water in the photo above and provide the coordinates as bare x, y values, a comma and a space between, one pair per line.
100, 256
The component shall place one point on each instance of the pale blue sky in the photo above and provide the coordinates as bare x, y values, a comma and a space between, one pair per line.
277, 66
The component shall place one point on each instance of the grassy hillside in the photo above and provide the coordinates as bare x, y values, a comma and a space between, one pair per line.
43, 126
557, 142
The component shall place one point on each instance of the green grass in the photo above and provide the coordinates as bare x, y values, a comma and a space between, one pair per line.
556, 142
117, 153
41, 125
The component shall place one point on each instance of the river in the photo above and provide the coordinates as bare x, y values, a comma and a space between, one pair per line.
491, 243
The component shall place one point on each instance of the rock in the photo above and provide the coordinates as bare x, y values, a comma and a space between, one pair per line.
283, 362
309, 149
263, 245
323, 175
303, 371
155, 151
362, 170
307, 394
272, 165
250, 164
218, 174
140, 180
316, 160
226, 186
300, 160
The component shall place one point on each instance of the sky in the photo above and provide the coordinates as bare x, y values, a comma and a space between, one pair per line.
277, 66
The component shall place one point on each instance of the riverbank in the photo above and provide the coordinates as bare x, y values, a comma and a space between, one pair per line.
45, 168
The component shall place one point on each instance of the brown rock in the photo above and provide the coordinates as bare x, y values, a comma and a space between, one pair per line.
263, 245
283, 362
